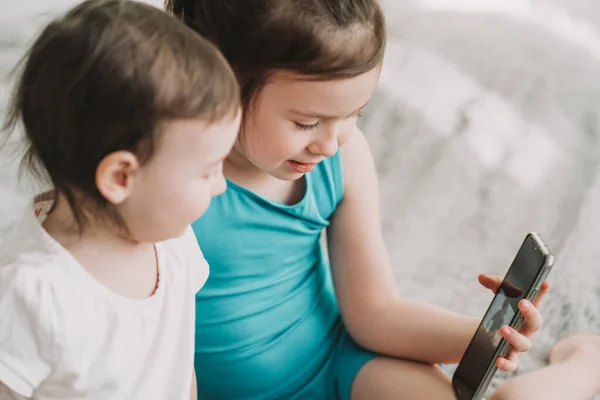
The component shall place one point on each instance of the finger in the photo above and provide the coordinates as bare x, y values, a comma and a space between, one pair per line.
512, 355
518, 341
511, 290
543, 291
532, 319
490, 282
506, 365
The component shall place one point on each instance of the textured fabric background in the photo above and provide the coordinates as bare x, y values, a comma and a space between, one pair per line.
485, 126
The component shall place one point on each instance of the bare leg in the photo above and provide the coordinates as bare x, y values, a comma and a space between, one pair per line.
573, 373
386, 378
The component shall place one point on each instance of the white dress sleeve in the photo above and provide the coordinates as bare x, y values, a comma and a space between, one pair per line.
28, 342
199, 266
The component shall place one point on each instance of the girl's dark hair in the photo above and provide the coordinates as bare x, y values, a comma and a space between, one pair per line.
104, 78
318, 39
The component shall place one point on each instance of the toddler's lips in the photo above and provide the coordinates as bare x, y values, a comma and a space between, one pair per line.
301, 168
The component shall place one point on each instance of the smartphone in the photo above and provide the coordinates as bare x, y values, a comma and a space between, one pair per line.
523, 280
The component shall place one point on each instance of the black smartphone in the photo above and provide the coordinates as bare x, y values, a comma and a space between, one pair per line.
523, 280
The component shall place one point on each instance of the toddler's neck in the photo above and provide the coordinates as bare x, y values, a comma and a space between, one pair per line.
126, 267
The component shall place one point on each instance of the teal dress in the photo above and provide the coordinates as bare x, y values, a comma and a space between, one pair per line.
267, 321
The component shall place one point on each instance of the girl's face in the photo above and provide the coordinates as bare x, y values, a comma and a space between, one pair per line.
295, 123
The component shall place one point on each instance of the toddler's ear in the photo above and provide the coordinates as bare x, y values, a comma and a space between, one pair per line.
115, 175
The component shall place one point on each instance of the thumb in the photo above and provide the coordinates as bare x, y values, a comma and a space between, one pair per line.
490, 282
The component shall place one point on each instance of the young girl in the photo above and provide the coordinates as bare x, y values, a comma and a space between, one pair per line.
130, 115
269, 323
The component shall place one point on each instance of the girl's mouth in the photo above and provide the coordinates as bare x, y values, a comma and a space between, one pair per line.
300, 168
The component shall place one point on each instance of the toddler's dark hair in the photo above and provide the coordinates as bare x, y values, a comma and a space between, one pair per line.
104, 78
318, 39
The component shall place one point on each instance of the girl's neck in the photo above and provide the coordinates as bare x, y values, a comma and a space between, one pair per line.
238, 164
239, 170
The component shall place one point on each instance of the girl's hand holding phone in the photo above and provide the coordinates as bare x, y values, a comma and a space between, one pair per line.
520, 341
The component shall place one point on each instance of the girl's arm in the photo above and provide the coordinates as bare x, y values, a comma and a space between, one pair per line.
374, 314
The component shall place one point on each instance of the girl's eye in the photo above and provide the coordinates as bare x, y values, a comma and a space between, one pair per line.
307, 127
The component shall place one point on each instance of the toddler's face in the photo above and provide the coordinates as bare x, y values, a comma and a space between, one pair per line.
175, 186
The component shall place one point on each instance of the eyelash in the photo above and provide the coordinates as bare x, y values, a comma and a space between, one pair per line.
307, 127
304, 127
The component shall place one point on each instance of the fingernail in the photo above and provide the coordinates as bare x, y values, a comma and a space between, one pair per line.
501, 362
524, 305
505, 331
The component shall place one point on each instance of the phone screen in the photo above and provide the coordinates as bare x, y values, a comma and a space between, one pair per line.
481, 352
